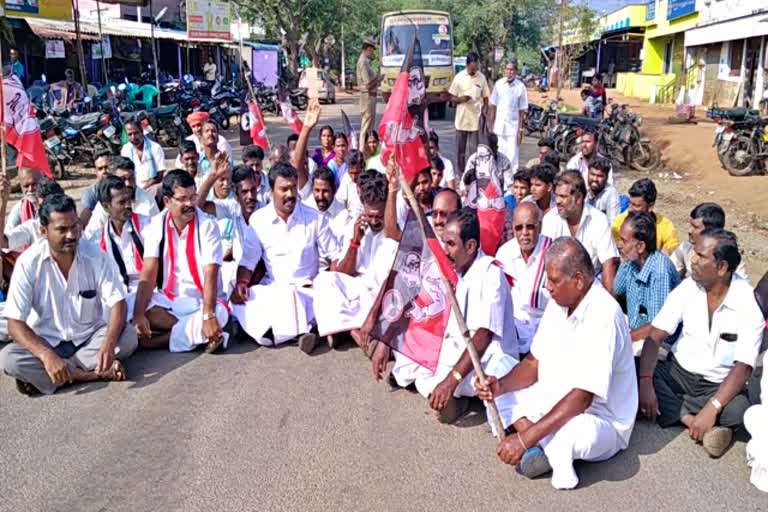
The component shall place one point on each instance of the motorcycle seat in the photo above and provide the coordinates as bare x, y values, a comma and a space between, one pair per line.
81, 121
579, 120
165, 110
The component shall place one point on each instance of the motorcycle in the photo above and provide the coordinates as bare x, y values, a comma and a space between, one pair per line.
746, 152
539, 119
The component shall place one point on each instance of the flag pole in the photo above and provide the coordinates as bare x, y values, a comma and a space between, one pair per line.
3, 155
473, 355
246, 75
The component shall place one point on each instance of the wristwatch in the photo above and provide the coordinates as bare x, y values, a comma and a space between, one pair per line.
209, 316
716, 404
456, 375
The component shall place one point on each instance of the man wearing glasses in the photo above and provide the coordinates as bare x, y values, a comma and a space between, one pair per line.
180, 302
523, 261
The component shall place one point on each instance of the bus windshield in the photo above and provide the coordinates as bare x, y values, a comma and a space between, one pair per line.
434, 37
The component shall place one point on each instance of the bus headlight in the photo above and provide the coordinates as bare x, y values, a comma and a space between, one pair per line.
440, 82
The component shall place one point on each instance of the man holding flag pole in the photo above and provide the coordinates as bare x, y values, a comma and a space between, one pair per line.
412, 313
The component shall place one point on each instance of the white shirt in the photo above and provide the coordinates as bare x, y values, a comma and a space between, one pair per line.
246, 250
63, 309
529, 287
222, 146
579, 163
589, 350
594, 233
449, 174
348, 195
703, 350
26, 233
14, 216
124, 242
143, 204
607, 201
338, 216
509, 100
143, 165
484, 299
292, 250
207, 252
375, 256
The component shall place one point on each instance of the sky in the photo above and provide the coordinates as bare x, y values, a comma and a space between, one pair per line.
610, 5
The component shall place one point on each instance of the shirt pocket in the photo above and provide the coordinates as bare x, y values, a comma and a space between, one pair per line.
89, 306
727, 339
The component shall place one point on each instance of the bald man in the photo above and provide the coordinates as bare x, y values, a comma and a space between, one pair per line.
445, 203
573, 396
523, 260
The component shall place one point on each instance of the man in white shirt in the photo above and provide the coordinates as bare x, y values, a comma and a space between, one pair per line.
28, 232
348, 193
702, 383
144, 204
572, 398
195, 121
445, 203
345, 296
253, 158
523, 260
59, 290
121, 237
483, 295
509, 106
469, 91
148, 157
573, 217
180, 302
323, 199
581, 160
240, 245
293, 239
449, 174
601, 194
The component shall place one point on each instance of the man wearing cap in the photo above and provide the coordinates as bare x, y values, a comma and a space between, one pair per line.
195, 121
368, 81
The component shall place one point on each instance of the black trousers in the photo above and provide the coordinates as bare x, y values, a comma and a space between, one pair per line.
466, 143
680, 392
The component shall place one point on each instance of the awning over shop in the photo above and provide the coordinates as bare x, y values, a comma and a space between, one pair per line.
58, 29
739, 28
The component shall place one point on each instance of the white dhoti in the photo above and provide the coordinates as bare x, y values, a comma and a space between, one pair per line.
511, 149
3, 324
286, 309
585, 437
188, 331
228, 276
756, 423
343, 302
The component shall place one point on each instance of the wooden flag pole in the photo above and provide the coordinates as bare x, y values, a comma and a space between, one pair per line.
248, 78
473, 355
3, 154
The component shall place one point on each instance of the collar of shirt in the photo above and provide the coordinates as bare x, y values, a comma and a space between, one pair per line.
644, 274
296, 215
517, 254
581, 313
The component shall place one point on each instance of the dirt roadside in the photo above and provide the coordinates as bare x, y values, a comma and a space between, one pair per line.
692, 174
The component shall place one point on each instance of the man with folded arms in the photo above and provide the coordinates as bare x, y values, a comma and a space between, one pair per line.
59, 290
180, 302
573, 396
702, 382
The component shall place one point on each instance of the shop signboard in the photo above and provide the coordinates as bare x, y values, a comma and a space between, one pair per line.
208, 19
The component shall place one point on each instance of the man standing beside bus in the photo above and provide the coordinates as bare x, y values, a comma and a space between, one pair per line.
506, 116
470, 92
368, 82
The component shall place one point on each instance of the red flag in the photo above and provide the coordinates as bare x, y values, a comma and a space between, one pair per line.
412, 309
290, 116
252, 127
485, 195
402, 129
21, 128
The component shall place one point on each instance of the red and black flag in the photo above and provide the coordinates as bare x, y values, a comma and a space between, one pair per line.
403, 125
253, 130
485, 193
412, 310
351, 132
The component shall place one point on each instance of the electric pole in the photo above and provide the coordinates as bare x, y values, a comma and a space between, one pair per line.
559, 58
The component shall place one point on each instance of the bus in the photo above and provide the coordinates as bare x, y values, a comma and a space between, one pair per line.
435, 33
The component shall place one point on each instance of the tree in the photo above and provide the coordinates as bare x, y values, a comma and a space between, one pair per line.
579, 35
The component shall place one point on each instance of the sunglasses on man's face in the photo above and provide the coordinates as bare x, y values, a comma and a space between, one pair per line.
529, 227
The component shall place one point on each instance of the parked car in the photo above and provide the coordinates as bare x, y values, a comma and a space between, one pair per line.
326, 90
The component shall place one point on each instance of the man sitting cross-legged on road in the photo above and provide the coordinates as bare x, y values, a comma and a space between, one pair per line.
523, 259
180, 302
485, 301
293, 238
702, 383
121, 237
59, 290
572, 398
323, 199
343, 298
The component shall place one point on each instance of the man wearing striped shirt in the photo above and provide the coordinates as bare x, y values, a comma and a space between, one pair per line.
523, 261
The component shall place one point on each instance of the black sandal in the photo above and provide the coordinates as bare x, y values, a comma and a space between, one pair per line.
25, 388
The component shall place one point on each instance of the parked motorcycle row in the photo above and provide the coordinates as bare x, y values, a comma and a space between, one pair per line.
617, 134
741, 140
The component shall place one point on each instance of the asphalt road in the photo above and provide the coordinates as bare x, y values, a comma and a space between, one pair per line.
275, 429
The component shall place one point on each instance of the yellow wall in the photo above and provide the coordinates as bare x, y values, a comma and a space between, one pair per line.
661, 26
658, 33
635, 13
52, 9
639, 85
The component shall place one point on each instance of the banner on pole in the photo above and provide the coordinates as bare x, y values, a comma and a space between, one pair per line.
54, 49
96, 49
208, 19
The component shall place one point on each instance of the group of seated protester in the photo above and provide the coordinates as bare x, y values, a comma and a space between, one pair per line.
585, 318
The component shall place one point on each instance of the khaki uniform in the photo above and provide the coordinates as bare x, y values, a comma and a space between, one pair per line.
366, 75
